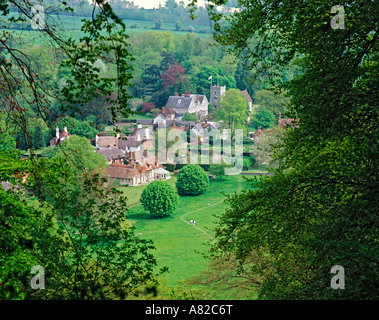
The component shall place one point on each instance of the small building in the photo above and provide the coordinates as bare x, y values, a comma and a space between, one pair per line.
282, 122
248, 99
162, 174
113, 155
199, 129
59, 137
191, 103
165, 114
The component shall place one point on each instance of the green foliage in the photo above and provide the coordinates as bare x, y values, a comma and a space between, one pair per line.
80, 155
268, 100
262, 118
7, 137
202, 83
73, 225
218, 170
92, 253
159, 199
248, 162
78, 127
319, 209
190, 117
192, 180
17, 224
178, 25
233, 109
38, 138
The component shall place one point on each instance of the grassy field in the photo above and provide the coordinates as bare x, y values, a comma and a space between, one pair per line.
178, 244
69, 26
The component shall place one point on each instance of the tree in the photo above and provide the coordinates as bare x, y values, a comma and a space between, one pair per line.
267, 144
174, 76
233, 109
80, 155
190, 117
192, 180
91, 253
171, 5
159, 198
79, 234
38, 138
17, 223
7, 137
158, 24
218, 170
202, 83
276, 103
263, 118
178, 25
78, 127
323, 212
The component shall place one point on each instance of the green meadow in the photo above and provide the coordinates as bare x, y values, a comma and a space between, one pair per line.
69, 27
178, 244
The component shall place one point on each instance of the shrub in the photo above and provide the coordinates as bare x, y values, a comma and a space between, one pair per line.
159, 198
192, 180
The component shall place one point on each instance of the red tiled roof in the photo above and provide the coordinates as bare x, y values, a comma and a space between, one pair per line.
246, 95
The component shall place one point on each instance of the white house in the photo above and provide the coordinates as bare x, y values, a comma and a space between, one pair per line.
191, 103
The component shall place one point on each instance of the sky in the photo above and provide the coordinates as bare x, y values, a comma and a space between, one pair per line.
148, 4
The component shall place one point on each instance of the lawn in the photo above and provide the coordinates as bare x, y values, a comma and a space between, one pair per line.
178, 244
69, 26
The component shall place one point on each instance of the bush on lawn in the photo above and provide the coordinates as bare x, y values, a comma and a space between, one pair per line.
192, 180
159, 198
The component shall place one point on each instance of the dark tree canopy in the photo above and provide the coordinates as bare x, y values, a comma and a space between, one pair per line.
159, 198
319, 209
192, 180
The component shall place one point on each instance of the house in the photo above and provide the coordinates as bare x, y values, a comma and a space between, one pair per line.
191, 103
102, 141
199, 129
185, 125
59, 137
290, 122
147, 123
165, 114
113, 155
143, 168
121, 173
255, 135
137, 140
248, 99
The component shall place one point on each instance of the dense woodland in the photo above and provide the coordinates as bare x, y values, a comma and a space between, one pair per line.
279, 237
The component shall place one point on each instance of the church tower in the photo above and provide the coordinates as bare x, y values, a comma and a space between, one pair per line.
216, 93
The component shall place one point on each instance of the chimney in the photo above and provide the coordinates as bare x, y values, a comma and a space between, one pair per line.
139, 125
197, 97
163, 109
176, 94
187, 94
280, 115
65, 129
57, 132
196, 121
173, 123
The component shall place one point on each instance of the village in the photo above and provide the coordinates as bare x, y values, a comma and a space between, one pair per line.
132, 159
